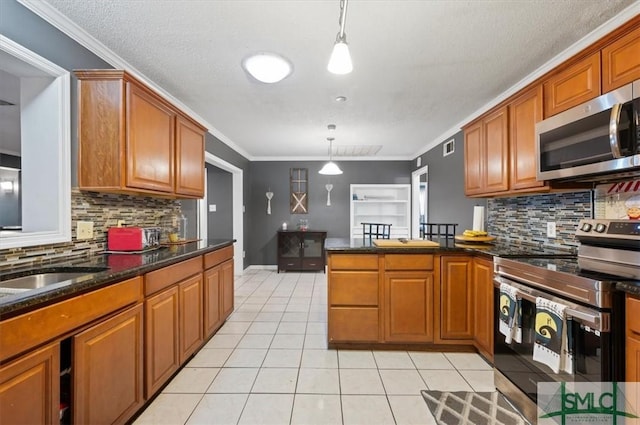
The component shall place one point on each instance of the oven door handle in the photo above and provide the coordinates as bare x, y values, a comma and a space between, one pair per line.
593, 318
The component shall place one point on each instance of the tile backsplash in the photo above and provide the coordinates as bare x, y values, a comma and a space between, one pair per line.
104, 210
524, 219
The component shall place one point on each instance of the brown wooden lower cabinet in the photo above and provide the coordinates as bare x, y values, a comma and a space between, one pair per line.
30, 388
408, 306
212, 301
353, 324
108, 369
190, 314
227, 288
483, 309
456, 306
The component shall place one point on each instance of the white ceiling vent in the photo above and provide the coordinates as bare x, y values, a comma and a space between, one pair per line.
356, 150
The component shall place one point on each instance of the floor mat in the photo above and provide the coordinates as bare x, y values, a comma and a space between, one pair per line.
462, 408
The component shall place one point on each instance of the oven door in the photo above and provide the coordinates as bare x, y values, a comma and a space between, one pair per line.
588, 338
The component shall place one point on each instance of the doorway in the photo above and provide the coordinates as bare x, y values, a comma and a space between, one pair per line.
419, 200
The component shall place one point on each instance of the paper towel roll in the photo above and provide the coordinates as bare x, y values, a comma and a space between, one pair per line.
478, 218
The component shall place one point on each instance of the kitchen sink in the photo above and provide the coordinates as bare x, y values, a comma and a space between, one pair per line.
45, 277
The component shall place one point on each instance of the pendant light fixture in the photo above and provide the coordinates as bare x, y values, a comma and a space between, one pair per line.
330, 168
340, 61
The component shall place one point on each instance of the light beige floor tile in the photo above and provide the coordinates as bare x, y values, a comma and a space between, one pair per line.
292, 328
360, 381
315, 342
276, 380
268, 316
246, 357
320, 359
169, 409
445, 380
210, 357
192, 380
480, 380
256, 300
248, 308
234, 328
290, 316
224, 341
240, 316
316, 409
300, 301
234, 380
318, 381
402, 381
356, 359
267, 328
282, 357
318, 316
288, 341
424, 360
278, 300
410, 410
218, 409
267, 409
255, 341
274, 308
366, 409
393, 360
471, 361
318, 307
297, 308
317, 328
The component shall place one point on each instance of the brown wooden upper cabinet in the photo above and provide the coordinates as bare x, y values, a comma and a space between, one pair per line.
486, 150
131, 140
621, 61
572, 86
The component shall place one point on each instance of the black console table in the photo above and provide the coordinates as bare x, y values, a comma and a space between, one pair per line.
301, 250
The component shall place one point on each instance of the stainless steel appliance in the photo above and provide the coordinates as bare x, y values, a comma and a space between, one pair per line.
595, 141
609, 253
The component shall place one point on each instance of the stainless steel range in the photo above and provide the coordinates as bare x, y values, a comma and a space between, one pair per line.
585, 286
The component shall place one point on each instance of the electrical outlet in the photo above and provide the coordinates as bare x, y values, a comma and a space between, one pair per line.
84, 230
551, 229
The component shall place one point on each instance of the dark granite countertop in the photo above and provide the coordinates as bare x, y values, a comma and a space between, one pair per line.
495, 249
117, 267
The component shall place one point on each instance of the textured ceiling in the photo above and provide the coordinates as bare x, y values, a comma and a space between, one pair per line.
420, 67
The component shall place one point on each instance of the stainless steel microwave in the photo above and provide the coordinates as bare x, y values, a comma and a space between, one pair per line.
596, 141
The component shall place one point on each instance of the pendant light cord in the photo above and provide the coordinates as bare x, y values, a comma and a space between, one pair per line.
343, 18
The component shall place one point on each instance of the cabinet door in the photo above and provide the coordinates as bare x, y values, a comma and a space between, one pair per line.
161, 339
456, 308
496, 151
408, 306
473, 154
313, 250
572, 86
190, 296
212, 301
353, 324
189, 158
289, 251
226, 270
483, 306
524, 112
107, 370
150, 141
621, 61
30, 388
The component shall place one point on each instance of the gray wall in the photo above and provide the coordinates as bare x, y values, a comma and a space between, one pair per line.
220, 194
274, 175
447, 202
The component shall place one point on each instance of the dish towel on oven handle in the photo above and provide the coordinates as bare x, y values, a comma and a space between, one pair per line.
509, 311
550, 346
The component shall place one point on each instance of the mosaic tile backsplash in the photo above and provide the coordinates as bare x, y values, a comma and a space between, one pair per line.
524, 219
104, 210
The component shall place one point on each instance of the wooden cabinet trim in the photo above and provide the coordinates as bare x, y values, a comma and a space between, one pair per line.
162, 278
19, 333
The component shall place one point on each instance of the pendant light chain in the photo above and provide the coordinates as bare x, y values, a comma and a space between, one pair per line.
343, 19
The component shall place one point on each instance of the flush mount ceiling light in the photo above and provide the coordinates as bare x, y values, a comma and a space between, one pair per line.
267, 67
340, 61
330, 168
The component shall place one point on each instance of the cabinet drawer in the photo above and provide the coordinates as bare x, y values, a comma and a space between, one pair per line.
359, 324
353, 262
408, 262
633, 314
312, 264
289, 263
353, 288
167, 276
23, 332
216, 257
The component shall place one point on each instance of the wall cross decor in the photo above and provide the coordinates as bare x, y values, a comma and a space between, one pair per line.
299, 187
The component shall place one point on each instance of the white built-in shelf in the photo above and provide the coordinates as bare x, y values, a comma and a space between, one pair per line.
381, 203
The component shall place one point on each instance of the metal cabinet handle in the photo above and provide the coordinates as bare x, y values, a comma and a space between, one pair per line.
614, 121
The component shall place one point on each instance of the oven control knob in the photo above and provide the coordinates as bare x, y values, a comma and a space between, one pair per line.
586, 227
600, 228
